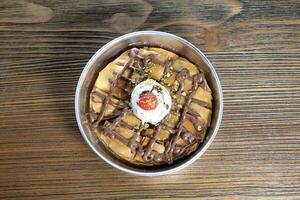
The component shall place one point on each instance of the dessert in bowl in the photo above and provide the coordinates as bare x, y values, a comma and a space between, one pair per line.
148, 106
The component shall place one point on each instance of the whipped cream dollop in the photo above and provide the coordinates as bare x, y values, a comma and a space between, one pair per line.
150, 101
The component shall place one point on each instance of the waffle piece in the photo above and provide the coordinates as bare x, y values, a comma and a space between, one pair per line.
178, 134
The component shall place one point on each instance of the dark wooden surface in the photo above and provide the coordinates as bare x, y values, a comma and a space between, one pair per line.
254, 46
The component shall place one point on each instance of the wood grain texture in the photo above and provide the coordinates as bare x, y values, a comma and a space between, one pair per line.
254, 46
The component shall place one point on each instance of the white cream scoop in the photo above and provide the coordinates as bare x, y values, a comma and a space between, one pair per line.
150, 101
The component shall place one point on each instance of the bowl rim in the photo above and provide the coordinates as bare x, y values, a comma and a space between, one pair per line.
148, 173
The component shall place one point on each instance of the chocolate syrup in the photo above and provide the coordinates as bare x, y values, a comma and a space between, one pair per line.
172, 150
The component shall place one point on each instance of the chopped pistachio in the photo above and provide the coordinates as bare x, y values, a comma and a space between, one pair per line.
175, 85
183, 94
146, 125
179, 106
157, 88
168, 74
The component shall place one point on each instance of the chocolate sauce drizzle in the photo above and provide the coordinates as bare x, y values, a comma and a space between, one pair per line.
172, 151
180, 128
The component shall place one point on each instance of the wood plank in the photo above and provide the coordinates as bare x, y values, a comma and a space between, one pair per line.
254, 46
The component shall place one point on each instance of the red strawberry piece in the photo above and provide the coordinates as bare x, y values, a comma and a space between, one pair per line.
148, 101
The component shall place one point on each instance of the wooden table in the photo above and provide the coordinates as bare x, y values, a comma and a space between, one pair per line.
254, 46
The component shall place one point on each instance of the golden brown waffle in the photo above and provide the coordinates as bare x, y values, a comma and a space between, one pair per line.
178, 134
